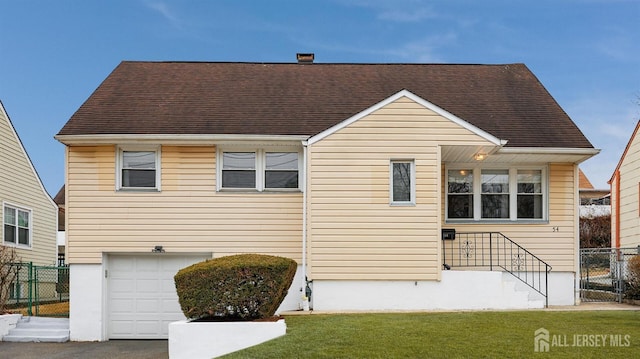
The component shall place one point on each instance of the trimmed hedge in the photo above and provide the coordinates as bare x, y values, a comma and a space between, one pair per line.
232, 288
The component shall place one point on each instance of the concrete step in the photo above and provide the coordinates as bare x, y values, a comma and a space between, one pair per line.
36, 339
26, 325
522, 291
39, 329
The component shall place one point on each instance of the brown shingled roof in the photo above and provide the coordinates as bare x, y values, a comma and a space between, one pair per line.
506, 101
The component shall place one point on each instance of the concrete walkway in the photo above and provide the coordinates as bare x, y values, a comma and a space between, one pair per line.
595, 306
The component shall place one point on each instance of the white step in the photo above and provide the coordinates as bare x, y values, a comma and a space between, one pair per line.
39, 329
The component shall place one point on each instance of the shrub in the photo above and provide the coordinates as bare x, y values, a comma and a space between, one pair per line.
238, 287
595, 231
633, 283
8, 272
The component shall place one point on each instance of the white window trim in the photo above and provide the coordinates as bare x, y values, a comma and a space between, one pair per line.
260, 167
119, 151
412, 201
24, 209
513, 194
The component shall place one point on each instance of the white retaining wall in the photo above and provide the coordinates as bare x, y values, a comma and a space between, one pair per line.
457, 290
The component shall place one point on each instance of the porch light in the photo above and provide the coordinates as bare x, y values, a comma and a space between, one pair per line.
479, 156
157, 249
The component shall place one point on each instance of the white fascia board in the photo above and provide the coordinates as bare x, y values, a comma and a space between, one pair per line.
174, 139
408, 94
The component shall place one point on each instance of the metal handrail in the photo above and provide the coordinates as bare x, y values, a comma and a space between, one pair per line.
494, 249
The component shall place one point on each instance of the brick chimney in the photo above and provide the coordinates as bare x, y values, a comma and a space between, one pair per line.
305, 58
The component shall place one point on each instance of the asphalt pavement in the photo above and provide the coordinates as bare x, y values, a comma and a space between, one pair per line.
112, 349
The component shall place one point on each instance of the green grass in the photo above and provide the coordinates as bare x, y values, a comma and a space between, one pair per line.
448, 335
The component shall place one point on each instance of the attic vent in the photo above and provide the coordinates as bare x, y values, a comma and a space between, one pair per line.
305, 58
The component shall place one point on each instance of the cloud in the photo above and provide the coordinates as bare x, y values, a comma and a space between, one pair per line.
424, 50
619, 47
162, 9
607, 119
406, 15
395, 11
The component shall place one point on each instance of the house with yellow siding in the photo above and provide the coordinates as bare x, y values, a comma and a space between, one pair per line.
28, 213
394, 187
625, 196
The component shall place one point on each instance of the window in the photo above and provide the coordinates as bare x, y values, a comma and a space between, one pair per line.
530, 194
460, 193
402, 182
260, 170
496, 194
239, 170
17, 226
281, 170
138, 169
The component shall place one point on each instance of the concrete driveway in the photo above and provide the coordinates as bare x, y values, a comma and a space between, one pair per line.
121, 349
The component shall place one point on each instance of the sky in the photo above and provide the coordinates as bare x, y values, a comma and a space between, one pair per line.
54, 54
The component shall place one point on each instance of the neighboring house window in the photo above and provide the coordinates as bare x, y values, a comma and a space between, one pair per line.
496, 194
402, 182
17, 226
260, 170
138, 169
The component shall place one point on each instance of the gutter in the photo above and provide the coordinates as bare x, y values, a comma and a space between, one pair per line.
177, 139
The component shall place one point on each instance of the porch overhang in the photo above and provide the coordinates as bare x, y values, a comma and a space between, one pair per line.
501, 154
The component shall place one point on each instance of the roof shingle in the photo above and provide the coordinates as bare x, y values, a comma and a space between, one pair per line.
506, 101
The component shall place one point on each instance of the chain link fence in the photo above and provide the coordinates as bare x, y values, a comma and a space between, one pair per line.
40, 290
604, 273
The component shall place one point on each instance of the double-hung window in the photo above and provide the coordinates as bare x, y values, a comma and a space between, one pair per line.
260, 170
460, 194
138, 169
495, 193
490, 194
17, 226
239, 170
403, 184
281, 170
530, 201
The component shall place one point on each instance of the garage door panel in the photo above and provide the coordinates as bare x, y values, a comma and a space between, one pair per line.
142, 296
148, 285
122, 305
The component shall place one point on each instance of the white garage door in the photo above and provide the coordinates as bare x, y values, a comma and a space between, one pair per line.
142, 298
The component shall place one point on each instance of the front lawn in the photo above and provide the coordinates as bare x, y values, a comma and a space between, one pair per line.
582, 334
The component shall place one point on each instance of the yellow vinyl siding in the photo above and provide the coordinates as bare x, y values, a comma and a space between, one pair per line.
558, 248
188, 215
629, 197
354, 233
20, 187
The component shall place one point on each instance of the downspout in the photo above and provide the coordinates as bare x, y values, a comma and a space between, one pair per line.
305, 299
